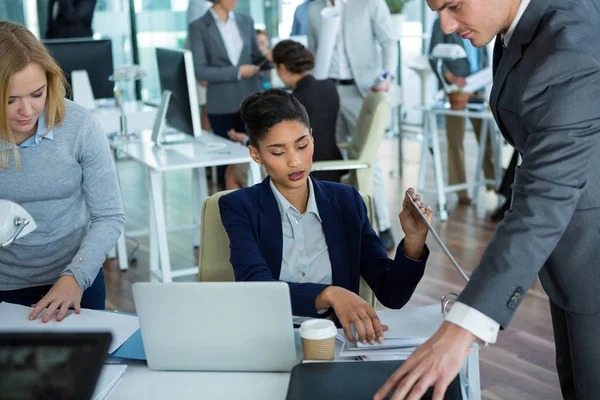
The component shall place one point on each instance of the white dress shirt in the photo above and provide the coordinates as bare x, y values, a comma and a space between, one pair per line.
339, 67
305, 255
479, 324
231, 36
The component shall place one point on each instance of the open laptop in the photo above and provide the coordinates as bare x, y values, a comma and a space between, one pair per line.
216, 326
47, 365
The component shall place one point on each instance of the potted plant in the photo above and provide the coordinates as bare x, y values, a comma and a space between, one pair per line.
396, 7
458, 98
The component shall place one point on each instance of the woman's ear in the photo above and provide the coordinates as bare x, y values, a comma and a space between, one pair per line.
255, 154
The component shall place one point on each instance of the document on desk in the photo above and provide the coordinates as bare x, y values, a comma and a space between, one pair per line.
15, 319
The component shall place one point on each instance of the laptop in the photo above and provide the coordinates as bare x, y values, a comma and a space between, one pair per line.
46, 365
349, 381
216, 326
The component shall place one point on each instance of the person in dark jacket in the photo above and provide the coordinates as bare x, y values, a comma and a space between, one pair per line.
70, 18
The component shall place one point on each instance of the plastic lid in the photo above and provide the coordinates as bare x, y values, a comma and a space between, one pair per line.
317, 329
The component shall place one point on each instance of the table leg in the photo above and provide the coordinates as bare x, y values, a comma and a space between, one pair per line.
153, 241
479, 178
199, 193
161, 226
424, 151
437, 167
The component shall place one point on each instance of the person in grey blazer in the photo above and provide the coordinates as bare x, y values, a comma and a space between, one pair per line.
454, 73
227, 57
546, 102
365, 47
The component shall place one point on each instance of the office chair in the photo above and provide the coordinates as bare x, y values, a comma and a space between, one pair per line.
364, 144
213, 260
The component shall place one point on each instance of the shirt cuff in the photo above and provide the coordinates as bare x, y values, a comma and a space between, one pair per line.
479, 324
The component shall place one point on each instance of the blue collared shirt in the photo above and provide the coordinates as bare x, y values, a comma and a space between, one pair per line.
305, 255
40, 134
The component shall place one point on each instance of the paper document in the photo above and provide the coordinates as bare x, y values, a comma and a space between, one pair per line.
109, 377
16, 318
475, 82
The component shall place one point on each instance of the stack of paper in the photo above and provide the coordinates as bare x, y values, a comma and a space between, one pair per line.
15, 318
408, 329
109, 377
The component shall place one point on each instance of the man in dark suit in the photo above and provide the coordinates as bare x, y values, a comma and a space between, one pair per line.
546, 101
70, 18
454, 73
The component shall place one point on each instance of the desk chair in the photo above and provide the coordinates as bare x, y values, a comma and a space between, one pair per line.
364, 144
213, 261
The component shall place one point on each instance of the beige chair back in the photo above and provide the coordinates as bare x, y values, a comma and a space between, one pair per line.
213, 261
366, 139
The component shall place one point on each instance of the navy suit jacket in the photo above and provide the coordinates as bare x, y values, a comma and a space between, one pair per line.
252, 220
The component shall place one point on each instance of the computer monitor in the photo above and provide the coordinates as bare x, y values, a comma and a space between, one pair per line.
51, 365
93, 56
176, 75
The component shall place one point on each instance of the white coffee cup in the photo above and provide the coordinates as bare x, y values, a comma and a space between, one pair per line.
318, 339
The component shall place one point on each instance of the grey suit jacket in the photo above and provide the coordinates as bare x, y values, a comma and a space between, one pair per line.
367, 24
225, 92
546, 101
458, 67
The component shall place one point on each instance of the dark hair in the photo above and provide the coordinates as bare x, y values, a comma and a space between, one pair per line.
296, 58
262, 111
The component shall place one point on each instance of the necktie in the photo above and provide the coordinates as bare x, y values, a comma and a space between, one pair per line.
498, 53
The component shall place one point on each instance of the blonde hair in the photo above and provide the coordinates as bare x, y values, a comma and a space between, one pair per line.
19, 48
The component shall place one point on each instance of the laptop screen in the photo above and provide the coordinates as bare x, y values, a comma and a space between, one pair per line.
51, 365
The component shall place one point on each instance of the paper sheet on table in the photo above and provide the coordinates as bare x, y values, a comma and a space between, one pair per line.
330, 25
109, 377
15, 318
406, 328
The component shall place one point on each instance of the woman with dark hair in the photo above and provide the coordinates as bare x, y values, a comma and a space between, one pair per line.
314, 235
293, 63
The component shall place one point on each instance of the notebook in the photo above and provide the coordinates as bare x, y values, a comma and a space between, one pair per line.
349, 381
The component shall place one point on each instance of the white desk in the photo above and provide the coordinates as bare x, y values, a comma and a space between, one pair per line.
432, 143
195, 155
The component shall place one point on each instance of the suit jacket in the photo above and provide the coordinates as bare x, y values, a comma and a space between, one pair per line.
322, 103
546, 101
74, 19
366, 24
225, 92
460, 67
252, 220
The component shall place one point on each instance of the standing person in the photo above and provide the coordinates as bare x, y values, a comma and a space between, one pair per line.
70, 18
455, 73
262, 37
300, 24
56, 163
227, 57
293, 62
196, 9
356, 62
546, 101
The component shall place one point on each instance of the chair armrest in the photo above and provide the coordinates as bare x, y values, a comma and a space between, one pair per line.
336, 165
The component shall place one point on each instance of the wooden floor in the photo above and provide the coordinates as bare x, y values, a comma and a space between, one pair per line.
520, 366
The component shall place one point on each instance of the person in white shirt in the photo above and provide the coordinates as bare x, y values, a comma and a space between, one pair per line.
546, 102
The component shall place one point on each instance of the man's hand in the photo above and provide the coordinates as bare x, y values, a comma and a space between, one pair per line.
237, 136
64, 294
350, 309
435, 363
384, 86
414, 228
455, 80
248, 71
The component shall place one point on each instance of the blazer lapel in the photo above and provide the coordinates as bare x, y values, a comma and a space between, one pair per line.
523, 35
270, 233
215, 34
243, 28
333, 228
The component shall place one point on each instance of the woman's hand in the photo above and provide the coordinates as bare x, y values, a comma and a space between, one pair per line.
350, 309
248, 71
237, 136
414, 228
64, 294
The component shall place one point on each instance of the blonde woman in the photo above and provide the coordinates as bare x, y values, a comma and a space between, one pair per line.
56, 163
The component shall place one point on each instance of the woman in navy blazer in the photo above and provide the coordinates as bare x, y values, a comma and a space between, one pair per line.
281, 140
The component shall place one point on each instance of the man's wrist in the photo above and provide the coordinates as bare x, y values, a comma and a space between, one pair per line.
413, 246
461, 335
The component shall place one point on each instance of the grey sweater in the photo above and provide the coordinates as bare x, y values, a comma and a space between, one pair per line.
69, 186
